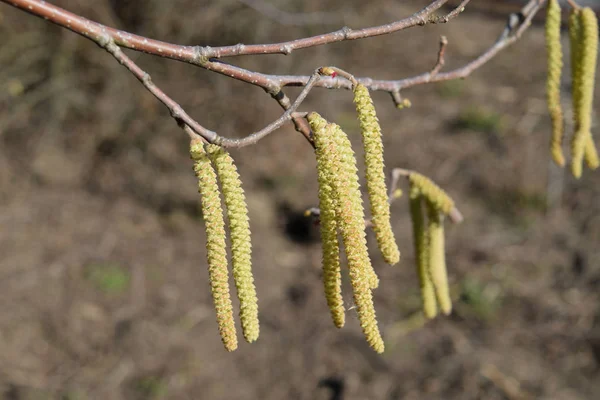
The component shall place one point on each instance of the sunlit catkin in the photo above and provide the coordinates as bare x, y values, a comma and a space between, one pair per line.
241, 248
376, 187
555, 64
212, 213
437, 257
421, 241
583, 83
432, 192
336, 151
332, 280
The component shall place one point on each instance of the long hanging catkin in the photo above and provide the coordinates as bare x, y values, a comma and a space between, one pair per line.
241, 248
376, 187
583, 31
337, 153
555, 65
421, 241
437, 258
212, 213
332, 279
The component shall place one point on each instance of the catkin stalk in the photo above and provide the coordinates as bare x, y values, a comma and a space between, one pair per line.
421, 241
555, 65
337, 153
332, 279
212, 213
437, 258
375, 176
241, 247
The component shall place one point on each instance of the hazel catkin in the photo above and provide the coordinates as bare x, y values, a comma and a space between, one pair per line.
212, 213
375, 176
421, 244
332, 280
338, 158
241, 247
555, 65
437, 258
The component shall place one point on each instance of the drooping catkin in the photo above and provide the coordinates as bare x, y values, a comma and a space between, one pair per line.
241, 247
332, 279
437, 257
212, 213
376, 187
421, 242
555, 65
432, 192
591, 154
349, 175
585, 28
336, 154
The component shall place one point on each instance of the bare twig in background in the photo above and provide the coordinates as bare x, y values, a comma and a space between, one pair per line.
206, 57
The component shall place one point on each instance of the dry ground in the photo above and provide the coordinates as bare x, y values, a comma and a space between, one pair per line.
103, 280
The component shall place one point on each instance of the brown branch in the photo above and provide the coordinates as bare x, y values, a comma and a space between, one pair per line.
440, 60
273, 84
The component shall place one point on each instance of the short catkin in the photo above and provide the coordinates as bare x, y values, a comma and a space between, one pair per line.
555, 65
421, 241
432, 192
332, 279
583, 31
336, 151
437, 258
241, 247
212, 213
376, 187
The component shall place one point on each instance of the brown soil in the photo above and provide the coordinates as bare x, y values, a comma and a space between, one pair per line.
103, 280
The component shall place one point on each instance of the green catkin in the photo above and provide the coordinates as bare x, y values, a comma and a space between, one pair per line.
241, 247
212, 213
555, 65
335, 155
376, 187
349, 174
421, 241
437, 258
332, 279
432, 192
583, 82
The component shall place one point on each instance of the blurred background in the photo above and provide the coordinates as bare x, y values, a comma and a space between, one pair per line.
103, 280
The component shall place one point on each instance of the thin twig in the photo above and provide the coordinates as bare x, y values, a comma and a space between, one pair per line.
440, 59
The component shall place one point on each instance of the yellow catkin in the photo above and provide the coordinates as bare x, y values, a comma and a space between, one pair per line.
432, 192
421, 241
336, 153
555, 65
332, 280
583, 82
437, 257
241, 247
376, 187
212, 213
349, 175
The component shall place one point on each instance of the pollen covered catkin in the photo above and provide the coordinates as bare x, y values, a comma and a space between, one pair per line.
332, 279
437, 258
375, 176
241, 247
555, 65
421, 241
432, 192
585, 28
212, 213
336, 151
